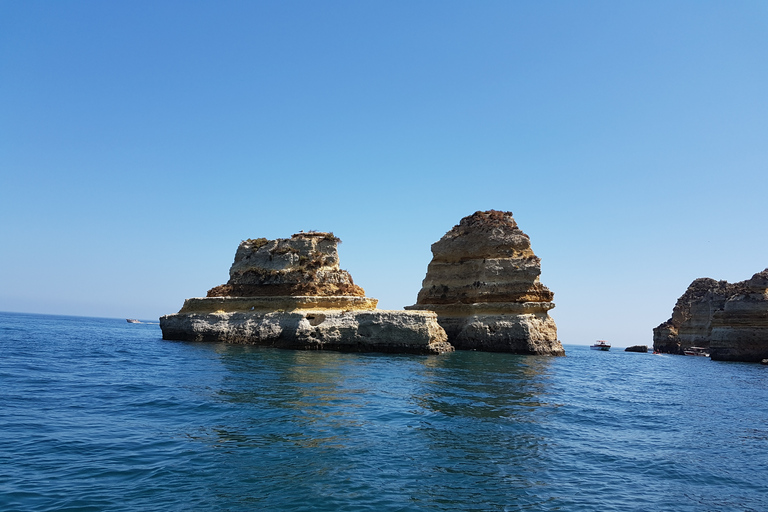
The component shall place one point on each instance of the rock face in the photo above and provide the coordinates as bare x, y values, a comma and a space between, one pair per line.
691, 321
729, 319
291, 293
483, 283
740, 328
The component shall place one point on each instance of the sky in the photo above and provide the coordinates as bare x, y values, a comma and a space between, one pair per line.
141, 141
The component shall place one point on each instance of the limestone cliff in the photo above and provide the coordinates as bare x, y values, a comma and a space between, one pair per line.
740, 328
730, 319
691, 321
483, 283
291, 293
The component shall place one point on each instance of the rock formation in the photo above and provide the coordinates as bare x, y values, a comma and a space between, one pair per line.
690, 324
483, 283
730, 319
637, 348
740, 328
305, 264
291, 293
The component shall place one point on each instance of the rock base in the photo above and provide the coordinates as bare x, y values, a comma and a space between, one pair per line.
517, 328
413, 332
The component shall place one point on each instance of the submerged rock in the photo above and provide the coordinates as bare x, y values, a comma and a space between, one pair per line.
291, 293
729, 319
483, 283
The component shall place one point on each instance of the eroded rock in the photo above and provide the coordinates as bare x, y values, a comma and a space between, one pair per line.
305, 264
291, 293
730, 319
483, 283
740, 327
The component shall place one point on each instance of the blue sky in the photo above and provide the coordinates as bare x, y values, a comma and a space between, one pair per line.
141, 141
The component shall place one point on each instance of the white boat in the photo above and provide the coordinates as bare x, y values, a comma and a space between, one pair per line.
601, 345
697, 351
132, 321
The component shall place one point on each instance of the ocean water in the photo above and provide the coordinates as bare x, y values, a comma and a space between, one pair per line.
102, 415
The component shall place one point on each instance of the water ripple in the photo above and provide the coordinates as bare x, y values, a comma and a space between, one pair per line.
98, 414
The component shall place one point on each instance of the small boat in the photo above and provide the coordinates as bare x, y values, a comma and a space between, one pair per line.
697, 351
601, 345
132, 321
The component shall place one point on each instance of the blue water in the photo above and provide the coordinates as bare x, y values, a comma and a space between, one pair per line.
99, 414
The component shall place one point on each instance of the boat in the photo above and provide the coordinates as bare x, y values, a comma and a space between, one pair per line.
132, 321
601, 345
696, 351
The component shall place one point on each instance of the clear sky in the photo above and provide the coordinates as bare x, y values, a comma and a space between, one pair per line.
141, 141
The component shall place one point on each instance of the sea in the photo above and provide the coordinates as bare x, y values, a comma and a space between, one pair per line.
102, 415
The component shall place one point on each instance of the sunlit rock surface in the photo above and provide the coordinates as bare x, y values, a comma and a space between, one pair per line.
291, 293
483, 283
730, 319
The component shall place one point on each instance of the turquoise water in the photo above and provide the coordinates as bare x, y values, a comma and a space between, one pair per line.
99, 414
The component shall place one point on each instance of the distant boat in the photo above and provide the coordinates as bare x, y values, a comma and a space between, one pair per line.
132, 321
697, 351
601, 345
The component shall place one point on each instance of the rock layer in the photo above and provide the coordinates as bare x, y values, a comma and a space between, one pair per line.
691, 321
740, 328
730, 319
291, 293
483, 283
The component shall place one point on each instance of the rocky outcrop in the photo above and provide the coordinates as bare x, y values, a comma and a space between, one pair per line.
291, 293
730, 319
483, 283
305, 264
691, 321
637, 348
740, 328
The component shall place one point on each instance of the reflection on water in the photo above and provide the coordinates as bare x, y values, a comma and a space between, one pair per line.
429, 426
480, 384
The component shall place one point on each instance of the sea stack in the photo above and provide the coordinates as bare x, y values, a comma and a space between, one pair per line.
483, 283
729, 319
291, 293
